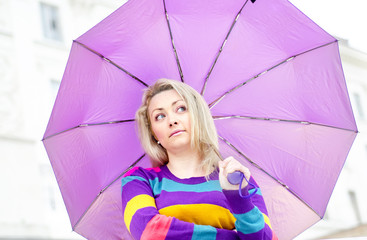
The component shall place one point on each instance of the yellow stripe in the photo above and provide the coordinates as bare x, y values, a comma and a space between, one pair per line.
136, 203
267, 220
202, 214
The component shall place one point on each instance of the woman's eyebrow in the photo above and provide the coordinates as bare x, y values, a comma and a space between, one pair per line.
160, 108
175, 102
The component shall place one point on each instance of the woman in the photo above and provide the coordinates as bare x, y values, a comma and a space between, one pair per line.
186, 195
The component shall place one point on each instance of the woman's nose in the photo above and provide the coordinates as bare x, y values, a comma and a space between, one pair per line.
172, 122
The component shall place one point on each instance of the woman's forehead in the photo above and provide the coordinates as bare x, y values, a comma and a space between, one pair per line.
164, 99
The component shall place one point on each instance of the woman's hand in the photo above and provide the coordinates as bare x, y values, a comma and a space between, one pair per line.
230, 165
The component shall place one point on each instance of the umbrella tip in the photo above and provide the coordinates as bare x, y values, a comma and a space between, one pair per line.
253, 1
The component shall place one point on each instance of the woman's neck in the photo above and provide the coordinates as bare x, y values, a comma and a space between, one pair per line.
185, 165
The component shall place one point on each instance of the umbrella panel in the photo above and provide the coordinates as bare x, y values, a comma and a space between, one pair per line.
295, 154
92, 91
136, 37
299, 90
288, 215
86, 160
199, 28
104, 219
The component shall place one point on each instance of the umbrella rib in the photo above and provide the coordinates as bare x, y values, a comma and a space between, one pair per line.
105, 188
86, 125
261, 169
173, 42
216, 101
281, 120
112, 62
221, 48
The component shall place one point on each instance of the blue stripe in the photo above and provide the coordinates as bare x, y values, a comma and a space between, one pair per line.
128, 179
257, 193
203, 232
250, 222
172, 186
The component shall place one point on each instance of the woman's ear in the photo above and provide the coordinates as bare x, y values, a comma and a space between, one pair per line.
154, 138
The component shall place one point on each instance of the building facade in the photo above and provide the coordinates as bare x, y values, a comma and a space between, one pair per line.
35, 40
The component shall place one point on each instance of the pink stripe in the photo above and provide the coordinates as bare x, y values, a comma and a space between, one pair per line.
274, 237
131, 171
156, 169
128, 173
157, 228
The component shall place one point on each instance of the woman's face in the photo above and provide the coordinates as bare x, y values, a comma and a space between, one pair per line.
170, 121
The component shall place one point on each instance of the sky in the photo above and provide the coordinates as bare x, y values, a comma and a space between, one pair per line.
341, 18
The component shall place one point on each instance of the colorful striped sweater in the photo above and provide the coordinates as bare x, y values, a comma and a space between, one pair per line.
158, 205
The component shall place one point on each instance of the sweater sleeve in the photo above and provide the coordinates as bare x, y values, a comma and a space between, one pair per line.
252, 220
143, 220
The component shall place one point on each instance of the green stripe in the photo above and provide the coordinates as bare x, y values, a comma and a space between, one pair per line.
128, 179
172, 186
250, 222
257, 193
203, 232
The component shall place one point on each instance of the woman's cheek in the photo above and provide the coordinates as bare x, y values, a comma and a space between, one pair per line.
157, 131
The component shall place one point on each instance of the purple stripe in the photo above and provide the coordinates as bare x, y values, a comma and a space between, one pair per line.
238, 204
133, 189
258, 201
165, 172
168, 199
227, 234
128, 194
140, 220
180, 228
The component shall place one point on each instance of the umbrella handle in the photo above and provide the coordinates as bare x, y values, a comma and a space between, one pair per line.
237, 178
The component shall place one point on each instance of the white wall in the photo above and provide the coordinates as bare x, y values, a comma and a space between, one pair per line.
31, 66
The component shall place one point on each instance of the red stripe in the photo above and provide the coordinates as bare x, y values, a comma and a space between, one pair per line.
274, 237
157, 228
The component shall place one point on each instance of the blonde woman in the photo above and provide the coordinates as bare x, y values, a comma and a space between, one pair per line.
186, 195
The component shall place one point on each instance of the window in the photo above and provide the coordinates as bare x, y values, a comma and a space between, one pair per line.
358, 102
49, 191
54, 87
354, 203
5, 18
51, 22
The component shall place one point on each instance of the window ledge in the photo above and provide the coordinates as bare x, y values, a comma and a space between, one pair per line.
52, 43
6, 32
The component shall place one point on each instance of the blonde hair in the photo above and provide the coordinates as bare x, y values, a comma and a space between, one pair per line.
204, 136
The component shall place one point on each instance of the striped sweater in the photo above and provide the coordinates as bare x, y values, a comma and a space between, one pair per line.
158, 205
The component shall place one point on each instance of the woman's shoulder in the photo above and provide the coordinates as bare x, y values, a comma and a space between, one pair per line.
144, 172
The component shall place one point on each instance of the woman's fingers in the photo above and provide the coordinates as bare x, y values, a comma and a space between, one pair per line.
230, 165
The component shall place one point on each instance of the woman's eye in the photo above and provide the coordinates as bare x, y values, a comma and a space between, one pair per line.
181, 109
159, 117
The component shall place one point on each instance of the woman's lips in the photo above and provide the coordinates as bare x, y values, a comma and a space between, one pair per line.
176, 133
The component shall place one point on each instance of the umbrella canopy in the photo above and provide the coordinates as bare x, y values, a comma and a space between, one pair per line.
272, 78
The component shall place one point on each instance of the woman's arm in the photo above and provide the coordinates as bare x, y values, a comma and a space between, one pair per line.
252, 220
251, 215
143, 220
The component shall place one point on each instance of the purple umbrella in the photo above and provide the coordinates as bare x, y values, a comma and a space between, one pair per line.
272, 78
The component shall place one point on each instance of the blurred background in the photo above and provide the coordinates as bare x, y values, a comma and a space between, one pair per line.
35, 40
